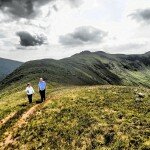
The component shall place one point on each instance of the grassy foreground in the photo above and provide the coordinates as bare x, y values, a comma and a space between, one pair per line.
88, 117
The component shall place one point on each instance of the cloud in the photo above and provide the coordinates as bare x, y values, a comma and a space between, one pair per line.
130, 46
26, 39
29, 8
127, 47
142, 15
75, 3
83, 35
22, 8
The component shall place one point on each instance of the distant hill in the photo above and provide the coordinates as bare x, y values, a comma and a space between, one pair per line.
87, 68
7, 66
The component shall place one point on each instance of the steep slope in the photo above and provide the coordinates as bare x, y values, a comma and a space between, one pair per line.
7, 66
87, 68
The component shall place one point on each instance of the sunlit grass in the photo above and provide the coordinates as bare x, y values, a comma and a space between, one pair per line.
96, 117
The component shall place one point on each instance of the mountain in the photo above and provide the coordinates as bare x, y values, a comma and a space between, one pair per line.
7, 66
87, 68
147, 54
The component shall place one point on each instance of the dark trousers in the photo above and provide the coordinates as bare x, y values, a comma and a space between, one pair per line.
30, 98
42, 94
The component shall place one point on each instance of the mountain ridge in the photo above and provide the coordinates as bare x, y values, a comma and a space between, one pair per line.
7, 66
86, 68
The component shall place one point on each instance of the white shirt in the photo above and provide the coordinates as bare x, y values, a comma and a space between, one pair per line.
29, 90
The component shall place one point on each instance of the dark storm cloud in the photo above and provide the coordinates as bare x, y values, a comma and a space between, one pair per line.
142, 15
26, 39
28, 8
83, 35
22, 8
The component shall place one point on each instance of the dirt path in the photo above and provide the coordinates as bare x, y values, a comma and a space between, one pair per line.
3, 121
8, 140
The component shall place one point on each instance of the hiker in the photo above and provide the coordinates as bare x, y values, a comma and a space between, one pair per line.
42, 89
30, 91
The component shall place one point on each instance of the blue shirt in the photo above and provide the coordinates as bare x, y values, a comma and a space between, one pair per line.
42, 85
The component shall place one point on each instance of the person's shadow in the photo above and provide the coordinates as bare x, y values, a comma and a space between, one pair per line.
23, 105
38, 101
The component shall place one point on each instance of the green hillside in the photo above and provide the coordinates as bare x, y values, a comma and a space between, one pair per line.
95, 101
76, 117
7, 66
87, 68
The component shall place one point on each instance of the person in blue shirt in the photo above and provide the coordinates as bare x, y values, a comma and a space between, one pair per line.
42, 89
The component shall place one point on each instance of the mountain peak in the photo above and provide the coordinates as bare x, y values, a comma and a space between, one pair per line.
147, 53
85, 52
100, 52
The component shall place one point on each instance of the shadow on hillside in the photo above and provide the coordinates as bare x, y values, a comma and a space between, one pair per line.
26, 104
23, 105
38, 102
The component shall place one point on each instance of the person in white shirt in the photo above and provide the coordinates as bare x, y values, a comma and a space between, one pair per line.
30, 91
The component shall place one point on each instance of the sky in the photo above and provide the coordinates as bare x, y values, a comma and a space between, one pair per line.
37, 29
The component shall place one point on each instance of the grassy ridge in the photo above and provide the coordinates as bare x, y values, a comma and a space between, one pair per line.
86, 68
96, 117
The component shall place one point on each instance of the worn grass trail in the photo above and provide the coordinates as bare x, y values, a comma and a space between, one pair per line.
5, 120
11, 119
18, 124
22, 120
17, 119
